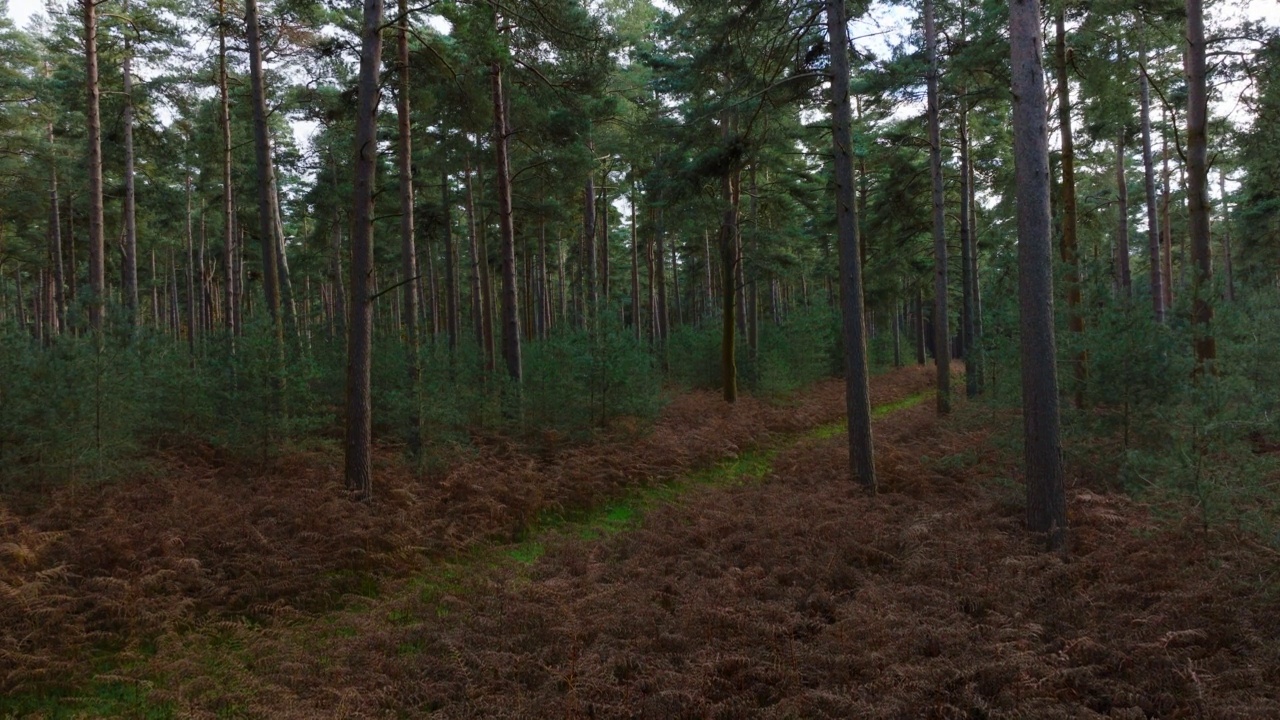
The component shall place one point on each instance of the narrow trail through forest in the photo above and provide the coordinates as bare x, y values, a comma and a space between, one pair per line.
767, 586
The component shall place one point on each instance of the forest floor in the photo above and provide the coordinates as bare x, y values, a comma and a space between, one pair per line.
718, 564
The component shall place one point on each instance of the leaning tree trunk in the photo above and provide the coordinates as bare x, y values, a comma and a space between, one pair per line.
862, 465
1198, 189
941, 331
1046, 497
359, 450
97, 247
506, 226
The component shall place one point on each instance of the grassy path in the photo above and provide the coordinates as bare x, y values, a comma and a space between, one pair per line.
205, 665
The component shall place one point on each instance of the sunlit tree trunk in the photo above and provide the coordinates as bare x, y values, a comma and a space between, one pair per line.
1046, 498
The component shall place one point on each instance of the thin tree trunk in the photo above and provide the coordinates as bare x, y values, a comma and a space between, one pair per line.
192, 310
968, 279
1070, 237
228, 207
477, 303
510, 300
635, 270
660, 275
941, 333
404, 156
97, 246
1229, 280
1046, 498
1198, 189
1123, 273
130, 270
589, 239
450, 265
1149, 180
55, 242
359, 436
862, 467
1166, 227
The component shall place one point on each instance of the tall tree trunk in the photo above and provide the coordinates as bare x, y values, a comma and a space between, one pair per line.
675, 293
359, 450
404, 155
262, 152
192, 308
228, 206
729, 259
97, 246
510, 300
604, 234
967, 267
451, 265
130, 270
1198, 189
589, 239
1046, 496
857, 393
1166, 227
1123, 274
1149, 180
1229, 288
941, 331
477, 302
635, 269
1070, 237
660, 275
55, 241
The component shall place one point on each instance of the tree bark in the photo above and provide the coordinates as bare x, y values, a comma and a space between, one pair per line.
589, 239
262, 151
404, 156
55, 241
510, 300
1046, 497
228, 206
451, 265
941, 331
130, 270
862, 467
967, 267
1123, 274
1070, 237
1149, 180
359, 436
635, 270
97, 246
1198, 189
